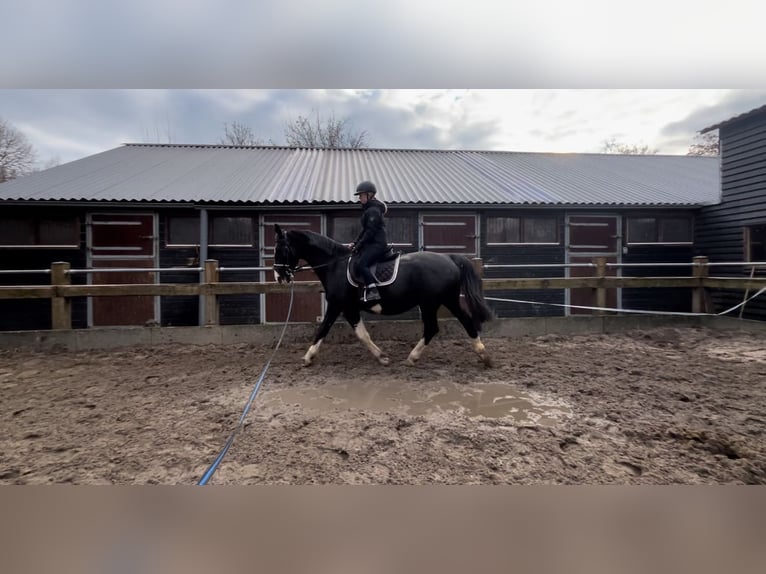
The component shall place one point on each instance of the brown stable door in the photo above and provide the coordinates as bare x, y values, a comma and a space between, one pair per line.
447, 233
591, 236
124, 242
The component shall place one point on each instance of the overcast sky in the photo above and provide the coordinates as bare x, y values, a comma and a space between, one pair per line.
74, 73
64, 125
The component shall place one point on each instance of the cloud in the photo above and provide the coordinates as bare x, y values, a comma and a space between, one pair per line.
733, 103
55, 143
680, 134
71, 123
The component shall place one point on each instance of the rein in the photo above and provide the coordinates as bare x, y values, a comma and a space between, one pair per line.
290, 271
306, 267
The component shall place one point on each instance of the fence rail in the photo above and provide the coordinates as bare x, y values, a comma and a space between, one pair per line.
61, 290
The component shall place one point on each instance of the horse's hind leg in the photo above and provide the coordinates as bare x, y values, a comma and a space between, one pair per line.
430, 328
355, 320
468, 324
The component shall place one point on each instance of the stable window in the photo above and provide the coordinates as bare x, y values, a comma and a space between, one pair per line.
33, 232
522, 230
399, 230
231, 231
345, 229
675, 230
182, 231
665, 230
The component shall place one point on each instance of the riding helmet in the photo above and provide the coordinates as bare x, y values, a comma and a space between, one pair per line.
366, 187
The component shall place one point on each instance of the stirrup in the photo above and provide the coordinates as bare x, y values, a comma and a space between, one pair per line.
370, 294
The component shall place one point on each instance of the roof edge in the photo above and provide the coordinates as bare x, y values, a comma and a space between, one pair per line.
739, 117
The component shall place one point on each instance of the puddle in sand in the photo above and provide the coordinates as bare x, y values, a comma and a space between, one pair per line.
493, 400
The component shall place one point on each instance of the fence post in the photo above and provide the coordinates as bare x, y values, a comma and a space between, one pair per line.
211, 300
699, 270
747, 292
478, 266
61, 307
600, 263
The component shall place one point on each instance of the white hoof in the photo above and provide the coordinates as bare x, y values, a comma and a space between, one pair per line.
481, 350
415, 354
308, 358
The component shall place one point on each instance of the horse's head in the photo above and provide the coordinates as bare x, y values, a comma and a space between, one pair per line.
285, 259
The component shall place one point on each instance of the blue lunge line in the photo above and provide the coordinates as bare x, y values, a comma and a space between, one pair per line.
213, 467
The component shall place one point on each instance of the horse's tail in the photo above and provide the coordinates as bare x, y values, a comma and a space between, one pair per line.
471, 289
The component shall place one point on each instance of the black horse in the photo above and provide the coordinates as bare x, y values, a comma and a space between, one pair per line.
425, 279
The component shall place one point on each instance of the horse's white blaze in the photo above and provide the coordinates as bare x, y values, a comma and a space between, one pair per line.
364, 337
313, 350
417, 351
276, 276
376, 309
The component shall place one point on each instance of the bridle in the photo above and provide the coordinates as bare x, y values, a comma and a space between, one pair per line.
286, 268
287, 271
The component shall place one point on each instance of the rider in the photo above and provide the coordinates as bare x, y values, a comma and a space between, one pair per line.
371, 243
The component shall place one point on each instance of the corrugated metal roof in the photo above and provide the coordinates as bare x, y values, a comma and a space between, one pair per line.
283, 175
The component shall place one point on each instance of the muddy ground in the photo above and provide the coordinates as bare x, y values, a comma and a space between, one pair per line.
660, 406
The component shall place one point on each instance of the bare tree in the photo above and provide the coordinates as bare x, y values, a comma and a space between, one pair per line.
239, 134
51, 162
705, 144
613, 146
47, 164
324, 132
17, 157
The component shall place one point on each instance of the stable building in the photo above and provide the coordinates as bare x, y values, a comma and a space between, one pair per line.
158, 206
734, 229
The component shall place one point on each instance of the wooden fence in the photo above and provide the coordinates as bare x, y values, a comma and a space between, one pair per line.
61, 290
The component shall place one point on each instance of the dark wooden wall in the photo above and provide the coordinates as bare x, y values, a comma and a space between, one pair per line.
719, 232
660, 299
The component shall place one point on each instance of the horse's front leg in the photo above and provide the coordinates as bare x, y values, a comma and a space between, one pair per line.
355, 320
329, 318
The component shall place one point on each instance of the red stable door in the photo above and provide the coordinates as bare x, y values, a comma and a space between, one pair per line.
591, 236
125, 242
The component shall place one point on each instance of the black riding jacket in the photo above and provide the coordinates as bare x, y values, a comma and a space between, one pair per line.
373, 231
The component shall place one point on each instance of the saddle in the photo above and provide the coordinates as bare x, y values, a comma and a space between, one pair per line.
384, 271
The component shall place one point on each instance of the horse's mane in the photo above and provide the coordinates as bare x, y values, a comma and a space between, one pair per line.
322, 242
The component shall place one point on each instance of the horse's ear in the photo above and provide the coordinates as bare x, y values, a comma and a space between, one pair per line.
278, 231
